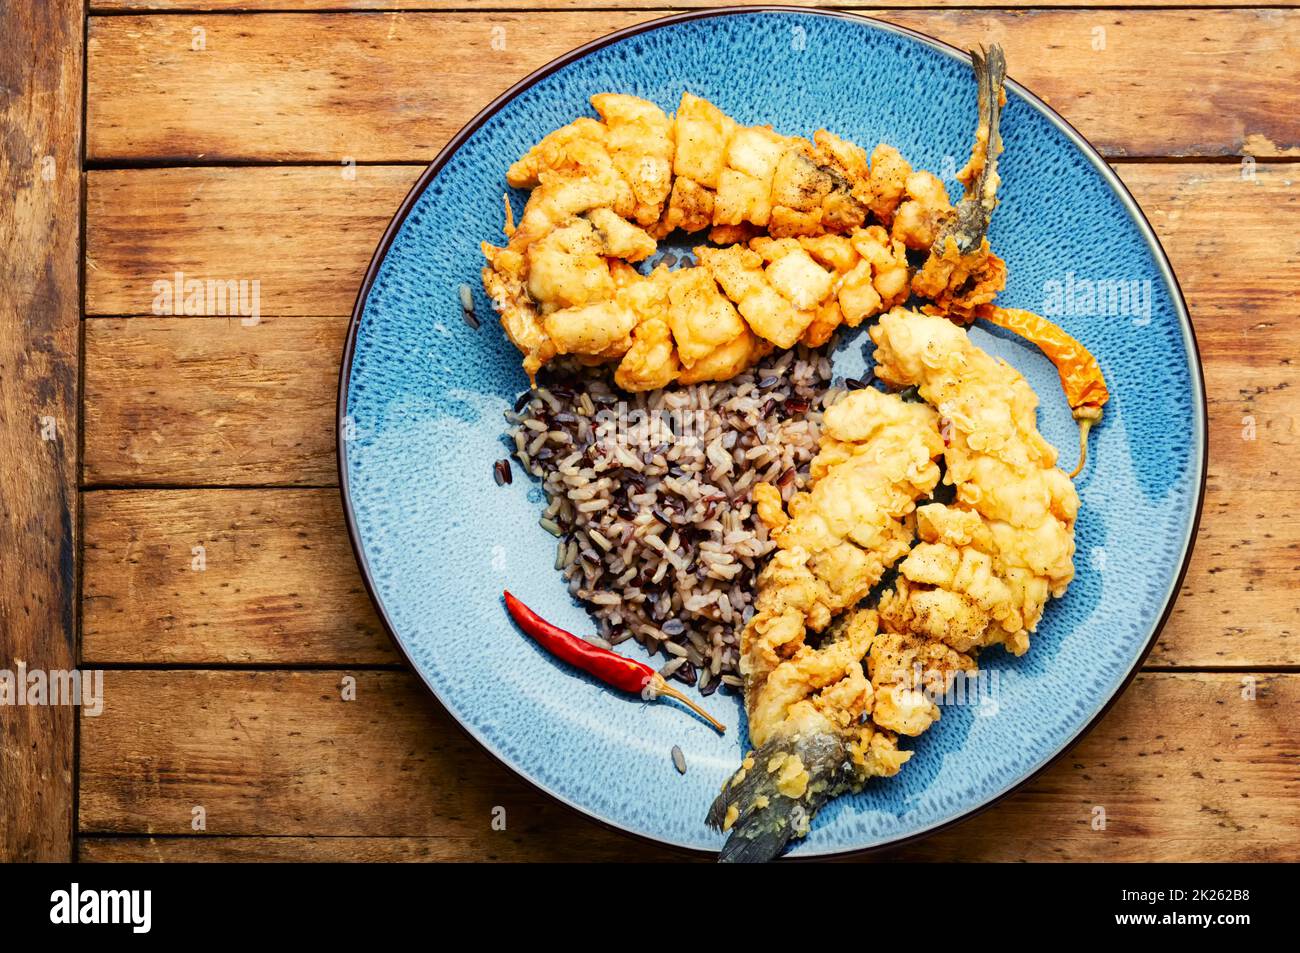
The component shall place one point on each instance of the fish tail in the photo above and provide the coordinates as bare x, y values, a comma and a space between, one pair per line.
971, 222
756, 808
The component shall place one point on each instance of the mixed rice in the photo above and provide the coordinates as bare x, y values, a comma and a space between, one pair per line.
649, 496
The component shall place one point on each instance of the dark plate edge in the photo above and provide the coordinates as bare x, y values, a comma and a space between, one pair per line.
430, 172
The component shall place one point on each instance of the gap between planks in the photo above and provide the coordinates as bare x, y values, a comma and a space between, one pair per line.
301, 86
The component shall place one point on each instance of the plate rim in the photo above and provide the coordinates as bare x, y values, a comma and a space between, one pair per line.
1200, 407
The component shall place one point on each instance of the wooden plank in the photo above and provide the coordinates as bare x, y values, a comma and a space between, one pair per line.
211, 400
1235, 609
40, 164
552, 835
1237, 312
226, 576
145, 226
323, 87
279, 753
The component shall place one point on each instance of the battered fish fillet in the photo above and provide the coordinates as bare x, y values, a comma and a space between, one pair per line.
825, 714
604, 190
801, 290
830, 226
809, 699
988, 562
630, 150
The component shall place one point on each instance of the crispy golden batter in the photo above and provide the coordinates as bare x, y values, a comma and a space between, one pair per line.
728, 175
744, 192
923, 212
801, 290
887, 183
876, 460
908, 671
988, 562
640, 142
594, 184
651, 361
960, 284
629, 153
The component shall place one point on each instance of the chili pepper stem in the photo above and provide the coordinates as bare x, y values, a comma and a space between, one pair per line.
1086, 416
658, 686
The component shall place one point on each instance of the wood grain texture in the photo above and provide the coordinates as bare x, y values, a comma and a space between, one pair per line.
210, 400
546, 834
1240, 285
145, 225
549, 834
40, 108
383, 87
273, 582
1184, 766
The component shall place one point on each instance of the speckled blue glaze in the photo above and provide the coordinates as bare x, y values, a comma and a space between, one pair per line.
423, 419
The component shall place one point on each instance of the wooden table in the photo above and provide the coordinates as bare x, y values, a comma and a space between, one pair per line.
167, 483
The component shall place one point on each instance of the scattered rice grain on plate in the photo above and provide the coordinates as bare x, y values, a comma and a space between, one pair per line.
649, 495
679, 760
467, 307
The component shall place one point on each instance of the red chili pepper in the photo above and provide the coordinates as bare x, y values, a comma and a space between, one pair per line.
616, 670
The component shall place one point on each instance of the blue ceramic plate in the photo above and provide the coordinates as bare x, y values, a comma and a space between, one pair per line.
422, 396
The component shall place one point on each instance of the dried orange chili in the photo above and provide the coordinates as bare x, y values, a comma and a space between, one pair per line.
1081, 378
616, 670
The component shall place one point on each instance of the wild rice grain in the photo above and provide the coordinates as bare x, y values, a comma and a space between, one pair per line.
670, 669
